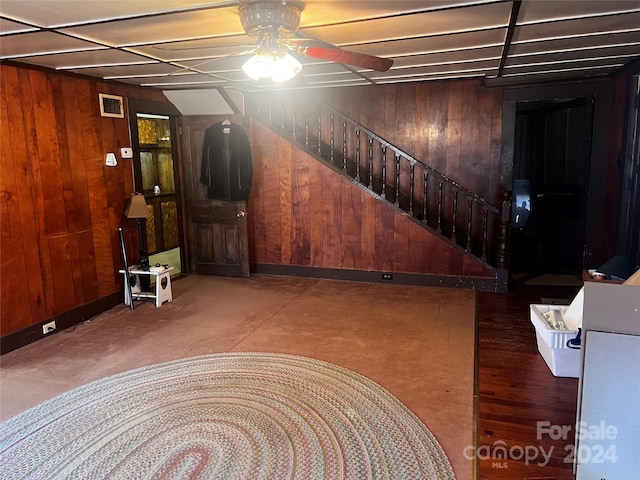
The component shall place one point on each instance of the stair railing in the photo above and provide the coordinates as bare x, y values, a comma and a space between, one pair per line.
429, 197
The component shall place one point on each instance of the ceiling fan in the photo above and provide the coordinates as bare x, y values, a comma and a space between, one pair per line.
275, 23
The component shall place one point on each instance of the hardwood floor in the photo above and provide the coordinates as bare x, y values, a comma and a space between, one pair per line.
519, 398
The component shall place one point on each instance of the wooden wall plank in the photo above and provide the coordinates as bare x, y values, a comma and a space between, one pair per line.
285, 198
98, 201
420, 251
384, 241
271, 192
401, 244
332, 214
257, 244
12, 235
316, 214
437, 122
36, 192
351, 224
454, 129
301, 206
422, 122
368, 235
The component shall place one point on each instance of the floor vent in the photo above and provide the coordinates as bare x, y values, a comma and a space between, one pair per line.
111, 105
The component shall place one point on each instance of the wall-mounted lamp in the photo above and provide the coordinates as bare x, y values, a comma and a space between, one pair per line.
137, 208
279, 66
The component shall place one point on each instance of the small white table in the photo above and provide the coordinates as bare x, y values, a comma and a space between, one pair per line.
162, 291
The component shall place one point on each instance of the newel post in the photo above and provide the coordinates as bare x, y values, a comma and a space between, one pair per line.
502, 257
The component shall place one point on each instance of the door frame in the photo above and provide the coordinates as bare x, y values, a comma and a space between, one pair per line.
134, 107
601, 90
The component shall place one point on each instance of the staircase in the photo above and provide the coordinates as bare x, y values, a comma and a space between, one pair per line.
431, 199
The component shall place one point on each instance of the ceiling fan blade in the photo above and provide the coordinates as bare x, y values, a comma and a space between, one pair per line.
347, 57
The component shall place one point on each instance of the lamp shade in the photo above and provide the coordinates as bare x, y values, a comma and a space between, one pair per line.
137, 207
279, 66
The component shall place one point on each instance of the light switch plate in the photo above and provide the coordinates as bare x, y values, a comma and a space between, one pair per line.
126, 152
111, 160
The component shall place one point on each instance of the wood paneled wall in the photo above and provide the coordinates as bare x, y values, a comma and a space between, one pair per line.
61, 205
303, 213
453, 126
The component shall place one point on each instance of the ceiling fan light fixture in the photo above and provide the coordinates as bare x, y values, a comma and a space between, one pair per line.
279, 66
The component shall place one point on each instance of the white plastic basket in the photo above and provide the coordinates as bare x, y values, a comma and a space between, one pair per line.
562, 360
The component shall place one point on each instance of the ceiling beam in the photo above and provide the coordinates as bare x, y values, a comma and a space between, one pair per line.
513, 20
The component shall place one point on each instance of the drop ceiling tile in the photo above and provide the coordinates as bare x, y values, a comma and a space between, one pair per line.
42, 43
185, 80
196, 49
617, 54
93, 58
166, 28
537, 11
479, 67
443, 58
318, 12
7, 26
431, 23
577, 43
570, 28
48, 13
436, 43
119, 71
604, 67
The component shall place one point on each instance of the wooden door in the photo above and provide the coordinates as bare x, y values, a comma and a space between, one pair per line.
553, 157
216, 230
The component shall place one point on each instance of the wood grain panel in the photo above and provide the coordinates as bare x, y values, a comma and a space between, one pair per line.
351, 224
37, 195
454, 135
420, 249
285, 198
300, 205
97, 185
368, 235
62, 270
316, 214
384, 241
422, 122
331, 219
401, 244
437, 121
54, 221
14, 272
493, 184
271, 192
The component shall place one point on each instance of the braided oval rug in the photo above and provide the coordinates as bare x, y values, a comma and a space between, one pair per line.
223, 416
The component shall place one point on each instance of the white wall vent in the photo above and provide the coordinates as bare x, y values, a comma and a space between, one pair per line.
111, 105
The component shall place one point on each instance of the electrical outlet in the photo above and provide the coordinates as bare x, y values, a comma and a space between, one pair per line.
48, 327
387, 276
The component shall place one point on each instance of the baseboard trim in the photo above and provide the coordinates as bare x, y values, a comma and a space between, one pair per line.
484, 284
65, 320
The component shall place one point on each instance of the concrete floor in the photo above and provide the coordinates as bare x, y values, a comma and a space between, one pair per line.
417, 342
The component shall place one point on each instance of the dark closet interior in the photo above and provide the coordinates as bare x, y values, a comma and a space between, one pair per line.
552, 157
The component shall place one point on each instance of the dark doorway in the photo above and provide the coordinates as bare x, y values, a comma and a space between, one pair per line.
552, 159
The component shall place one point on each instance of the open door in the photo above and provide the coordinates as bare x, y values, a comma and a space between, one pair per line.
552, 158
216, 229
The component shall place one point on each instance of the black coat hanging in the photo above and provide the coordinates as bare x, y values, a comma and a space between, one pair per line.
227, 168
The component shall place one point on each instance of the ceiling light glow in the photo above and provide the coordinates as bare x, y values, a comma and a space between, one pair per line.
279, 66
